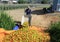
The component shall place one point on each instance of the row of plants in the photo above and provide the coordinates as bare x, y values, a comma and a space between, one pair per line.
22, 2
10, 7
6, 21
17, 6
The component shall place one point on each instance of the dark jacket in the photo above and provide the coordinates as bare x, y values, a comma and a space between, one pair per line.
28, 11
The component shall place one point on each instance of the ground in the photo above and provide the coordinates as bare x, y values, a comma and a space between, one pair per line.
38, 18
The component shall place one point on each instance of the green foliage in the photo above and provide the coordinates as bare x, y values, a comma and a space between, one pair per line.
6, 22
55, 32
45, 1
11, 7
21, 1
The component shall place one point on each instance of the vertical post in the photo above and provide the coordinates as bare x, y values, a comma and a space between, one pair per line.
54, 7
58, 5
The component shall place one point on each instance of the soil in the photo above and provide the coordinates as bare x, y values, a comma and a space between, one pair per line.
38, 18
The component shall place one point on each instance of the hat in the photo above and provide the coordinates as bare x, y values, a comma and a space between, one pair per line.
28, 6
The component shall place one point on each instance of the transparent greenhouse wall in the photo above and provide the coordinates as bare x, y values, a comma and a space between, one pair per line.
58, 1
55, 2
58, 5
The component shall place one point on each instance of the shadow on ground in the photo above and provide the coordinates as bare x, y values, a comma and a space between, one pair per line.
40, 12
37, 12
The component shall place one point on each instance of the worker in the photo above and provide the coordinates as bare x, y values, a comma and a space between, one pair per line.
28, 13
